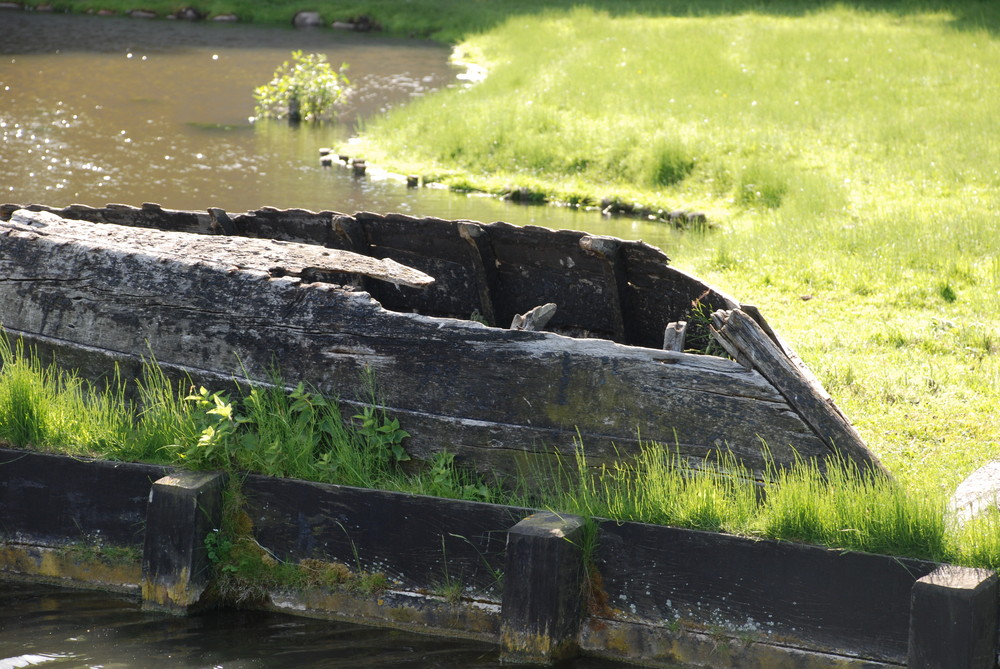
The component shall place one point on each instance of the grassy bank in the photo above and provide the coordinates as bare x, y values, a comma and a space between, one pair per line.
845, 151
295, 433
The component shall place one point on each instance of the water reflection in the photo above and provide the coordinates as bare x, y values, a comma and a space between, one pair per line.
96, 110
47, 626
53, 627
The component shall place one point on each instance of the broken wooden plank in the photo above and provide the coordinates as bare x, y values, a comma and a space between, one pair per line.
748, 343
484, 264
534, 319
240, 253
609, 251
673, 336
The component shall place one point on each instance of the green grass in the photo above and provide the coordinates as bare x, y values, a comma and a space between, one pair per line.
836, 506
269, 430
844, 152
279, 432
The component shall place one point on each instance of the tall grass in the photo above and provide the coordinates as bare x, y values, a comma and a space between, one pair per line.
832, 505
300, 434
269, 429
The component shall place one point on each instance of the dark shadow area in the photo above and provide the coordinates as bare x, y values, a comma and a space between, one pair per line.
449, 20
968, 15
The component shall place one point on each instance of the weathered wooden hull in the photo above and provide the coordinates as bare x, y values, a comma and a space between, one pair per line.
498, 398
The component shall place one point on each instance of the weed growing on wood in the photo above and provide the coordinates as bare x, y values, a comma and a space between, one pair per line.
113, 556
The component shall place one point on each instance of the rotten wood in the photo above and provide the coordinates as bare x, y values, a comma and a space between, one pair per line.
609, 251
484, 264
221, 222
237, 253
673, 336
94, 304
748, 343
534, 319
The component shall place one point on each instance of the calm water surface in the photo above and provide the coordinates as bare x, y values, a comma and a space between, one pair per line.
60, 628
96, 110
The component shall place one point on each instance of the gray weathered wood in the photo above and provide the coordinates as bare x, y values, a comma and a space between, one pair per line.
93, 302
750, 345
673, 336
609, 251
238, 253
484, 264
534, 319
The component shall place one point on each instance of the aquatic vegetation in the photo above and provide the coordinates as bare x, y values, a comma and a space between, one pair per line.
305, 89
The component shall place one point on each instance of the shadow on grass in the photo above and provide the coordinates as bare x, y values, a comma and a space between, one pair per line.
453, 18
450, 20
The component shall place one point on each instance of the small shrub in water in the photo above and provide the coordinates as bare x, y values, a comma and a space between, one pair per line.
305, 89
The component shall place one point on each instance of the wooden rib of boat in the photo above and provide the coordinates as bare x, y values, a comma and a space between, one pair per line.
428, 305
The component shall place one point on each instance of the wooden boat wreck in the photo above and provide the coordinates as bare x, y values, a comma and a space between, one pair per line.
448, 314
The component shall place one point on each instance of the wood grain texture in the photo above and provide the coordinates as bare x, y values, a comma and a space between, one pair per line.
416, 541
792, 594
53, 500
275, 257
494, 397
751, 345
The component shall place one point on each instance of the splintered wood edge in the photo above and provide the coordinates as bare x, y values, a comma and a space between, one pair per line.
245, 253
749, 344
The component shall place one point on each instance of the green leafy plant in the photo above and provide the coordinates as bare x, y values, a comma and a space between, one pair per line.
212, 449
383, 433
307, 88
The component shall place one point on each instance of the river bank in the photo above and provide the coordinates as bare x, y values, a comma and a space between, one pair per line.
867, 240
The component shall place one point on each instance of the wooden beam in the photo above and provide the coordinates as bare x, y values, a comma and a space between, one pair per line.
748, 343
241, 253
609, 250
484, 264
673, 336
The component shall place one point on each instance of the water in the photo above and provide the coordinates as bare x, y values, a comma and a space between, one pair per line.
60, 628
96, 110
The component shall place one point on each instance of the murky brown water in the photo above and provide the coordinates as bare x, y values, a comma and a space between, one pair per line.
59, 628
96, 110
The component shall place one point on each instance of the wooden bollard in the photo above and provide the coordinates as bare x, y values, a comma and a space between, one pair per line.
543, 586
359, 167
953, 620
183, 509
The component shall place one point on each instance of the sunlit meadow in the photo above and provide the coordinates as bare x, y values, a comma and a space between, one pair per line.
848, 158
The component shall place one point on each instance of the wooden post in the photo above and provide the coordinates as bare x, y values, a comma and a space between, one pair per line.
609, 251
673, 336
953, 620
543, 586
183, 509
484, 264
